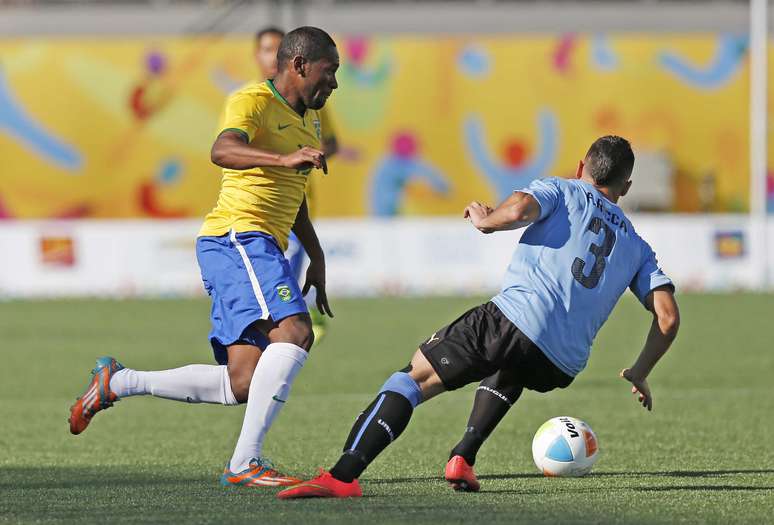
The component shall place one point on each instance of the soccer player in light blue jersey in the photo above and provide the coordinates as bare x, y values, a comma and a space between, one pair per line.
577, 257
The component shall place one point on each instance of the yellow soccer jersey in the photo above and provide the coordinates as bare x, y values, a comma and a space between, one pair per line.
263, 199
328, 132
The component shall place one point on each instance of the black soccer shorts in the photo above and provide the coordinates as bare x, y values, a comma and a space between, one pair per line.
483, 341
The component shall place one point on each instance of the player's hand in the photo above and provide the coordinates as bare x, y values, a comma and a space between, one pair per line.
315, 276
477, 212
305, 158
639, 387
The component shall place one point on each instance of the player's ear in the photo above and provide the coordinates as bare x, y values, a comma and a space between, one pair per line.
299, 65
579, 173
626, 187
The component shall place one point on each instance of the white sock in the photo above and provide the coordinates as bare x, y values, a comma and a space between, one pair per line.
192, 383
269, 389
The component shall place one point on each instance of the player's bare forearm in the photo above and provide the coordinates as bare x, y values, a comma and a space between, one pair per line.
231, 151
315, 274
663, 330
656, 346
517, 211
304, 230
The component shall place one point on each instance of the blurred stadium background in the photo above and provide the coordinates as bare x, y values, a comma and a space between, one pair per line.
108, 111
107, 114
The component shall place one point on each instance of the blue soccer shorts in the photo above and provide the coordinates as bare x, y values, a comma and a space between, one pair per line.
296, 256
248, 279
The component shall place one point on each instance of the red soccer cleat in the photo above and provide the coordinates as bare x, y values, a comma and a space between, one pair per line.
461, 476
323, 486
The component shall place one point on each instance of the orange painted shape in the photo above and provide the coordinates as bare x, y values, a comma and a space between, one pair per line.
591, 443
57, 251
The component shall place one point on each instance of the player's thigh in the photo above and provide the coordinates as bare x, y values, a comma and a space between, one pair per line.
536, 372
296, 257
456, 353
228, 276
505, 384
242, 360
423, 373
285, 317
295, 329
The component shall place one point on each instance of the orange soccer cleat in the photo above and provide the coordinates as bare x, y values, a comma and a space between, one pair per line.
259, 473
461, 476
97, 396
323, 486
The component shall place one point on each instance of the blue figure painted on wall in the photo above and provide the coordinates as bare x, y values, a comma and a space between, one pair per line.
729, 55
24, 128
515, 170
393, 173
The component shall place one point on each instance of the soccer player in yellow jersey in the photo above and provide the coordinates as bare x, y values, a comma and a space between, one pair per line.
267, 42
261, 329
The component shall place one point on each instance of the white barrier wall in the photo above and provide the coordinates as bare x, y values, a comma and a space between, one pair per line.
365, 257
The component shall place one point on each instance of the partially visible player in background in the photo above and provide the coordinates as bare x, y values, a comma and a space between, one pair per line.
267, 42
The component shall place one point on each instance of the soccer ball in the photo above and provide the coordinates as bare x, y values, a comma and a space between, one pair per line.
565, 447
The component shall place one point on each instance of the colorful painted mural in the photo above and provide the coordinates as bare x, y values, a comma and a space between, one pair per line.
122, 127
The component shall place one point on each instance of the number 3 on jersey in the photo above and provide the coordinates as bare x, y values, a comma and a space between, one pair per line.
599, 252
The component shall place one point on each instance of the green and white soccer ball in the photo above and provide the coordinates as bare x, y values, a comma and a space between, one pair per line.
565, 447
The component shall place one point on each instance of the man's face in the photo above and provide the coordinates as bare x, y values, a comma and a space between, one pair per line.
320, 80
266, 54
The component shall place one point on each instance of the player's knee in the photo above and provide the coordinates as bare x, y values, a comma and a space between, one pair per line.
303, 335
403, 384
422, 373
298, 331
240, 383
420, 368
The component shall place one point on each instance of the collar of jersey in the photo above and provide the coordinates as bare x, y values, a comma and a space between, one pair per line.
270, 83
607, 199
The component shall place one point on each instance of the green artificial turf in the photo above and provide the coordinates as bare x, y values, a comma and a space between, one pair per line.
705, 454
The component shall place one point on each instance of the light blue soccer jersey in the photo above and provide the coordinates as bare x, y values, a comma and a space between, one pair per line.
570, 268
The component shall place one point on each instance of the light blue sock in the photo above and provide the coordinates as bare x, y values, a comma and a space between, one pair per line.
401, 383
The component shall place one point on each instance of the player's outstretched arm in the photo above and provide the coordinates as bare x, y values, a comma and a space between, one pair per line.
666, 321
517, 211
315, 274
231, 151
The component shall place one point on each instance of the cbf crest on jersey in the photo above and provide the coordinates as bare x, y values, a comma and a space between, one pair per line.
284, 292
317, 128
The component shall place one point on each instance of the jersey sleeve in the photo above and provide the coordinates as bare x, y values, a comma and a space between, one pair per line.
649, 276
547, 193
328, 130
245, 114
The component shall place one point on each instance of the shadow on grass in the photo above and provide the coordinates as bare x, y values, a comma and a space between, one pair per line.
439, 477
115, 479
632, 474
62, 477
676, 488
639, 474
686, 473
722, 488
